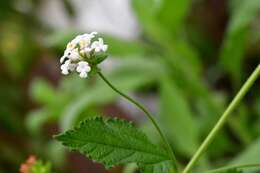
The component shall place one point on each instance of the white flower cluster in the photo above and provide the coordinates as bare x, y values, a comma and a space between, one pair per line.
78, 51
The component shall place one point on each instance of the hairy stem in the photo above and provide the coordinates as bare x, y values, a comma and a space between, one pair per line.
247, 85
149, 115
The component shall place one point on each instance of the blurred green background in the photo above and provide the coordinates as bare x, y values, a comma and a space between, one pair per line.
184, 59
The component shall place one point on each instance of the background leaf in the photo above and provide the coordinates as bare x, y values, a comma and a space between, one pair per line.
248, 156
176, 116
234, 45
173, 20
230, 171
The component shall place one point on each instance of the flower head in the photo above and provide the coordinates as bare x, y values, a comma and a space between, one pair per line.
25, 167
82, 54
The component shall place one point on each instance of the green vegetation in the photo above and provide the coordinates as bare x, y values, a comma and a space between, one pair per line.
191, 57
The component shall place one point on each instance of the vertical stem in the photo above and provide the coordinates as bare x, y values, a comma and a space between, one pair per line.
247, 85
149, 115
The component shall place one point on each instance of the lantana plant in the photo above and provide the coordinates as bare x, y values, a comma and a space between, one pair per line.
112, 141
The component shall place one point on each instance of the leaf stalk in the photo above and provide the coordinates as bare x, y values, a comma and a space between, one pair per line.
150, 117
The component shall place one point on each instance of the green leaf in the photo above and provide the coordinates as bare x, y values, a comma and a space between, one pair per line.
112, 142
161, 19
162, 167
234, 45
229, 171
35, 120
43, 92
250, 155
147, 17
233, 171
176, 115
120, 47
184, 58
172, 13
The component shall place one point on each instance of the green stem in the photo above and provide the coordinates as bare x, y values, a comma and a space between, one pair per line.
234, 167
247, 85
149, 115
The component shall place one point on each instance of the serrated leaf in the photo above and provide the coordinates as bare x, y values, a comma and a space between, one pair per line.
112, 142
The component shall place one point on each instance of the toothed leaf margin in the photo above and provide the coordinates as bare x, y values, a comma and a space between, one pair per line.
112, 141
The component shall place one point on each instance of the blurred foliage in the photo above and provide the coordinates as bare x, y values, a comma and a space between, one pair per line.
40, 167
192, 55
34, 165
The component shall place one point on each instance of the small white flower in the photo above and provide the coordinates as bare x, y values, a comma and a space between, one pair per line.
86, 50
62, 59
78, 53
83, 68
85, 40
88, 36
83, 75
73, 43
99, 45
72, 66
67, 67
64, 69
72, 54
